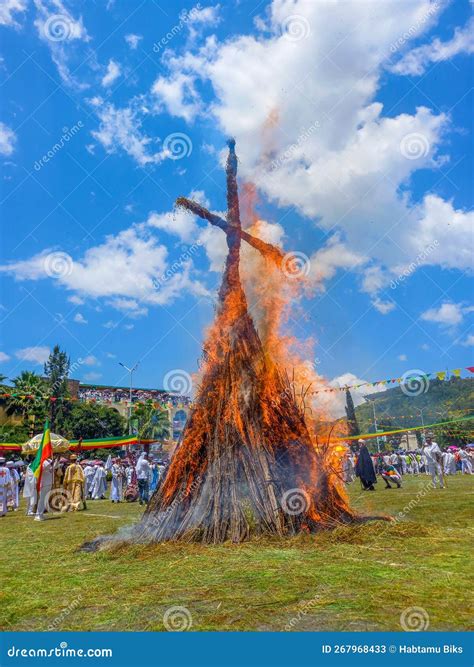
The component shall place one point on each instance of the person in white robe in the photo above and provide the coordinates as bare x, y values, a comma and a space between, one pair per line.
29, 492
116, 490
5, 483
450, 464
466, 465
414, 463
143, 470
13, 496
348, 469
433, 456
45, 488
403, 463
99, 483
89, 472
424, 464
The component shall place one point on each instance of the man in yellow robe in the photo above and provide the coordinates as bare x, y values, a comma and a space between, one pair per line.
74, 484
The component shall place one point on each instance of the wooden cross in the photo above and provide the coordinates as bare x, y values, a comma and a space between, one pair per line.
232, 225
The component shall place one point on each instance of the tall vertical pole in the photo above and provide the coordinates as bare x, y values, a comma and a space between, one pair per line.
376, 426
130, 405
420, 410
130, 371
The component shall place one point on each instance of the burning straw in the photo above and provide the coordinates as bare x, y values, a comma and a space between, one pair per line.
249, 462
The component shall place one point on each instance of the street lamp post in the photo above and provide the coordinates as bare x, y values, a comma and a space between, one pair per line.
420, 410
131, 371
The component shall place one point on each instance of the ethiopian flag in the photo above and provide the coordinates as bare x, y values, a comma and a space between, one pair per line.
44, 452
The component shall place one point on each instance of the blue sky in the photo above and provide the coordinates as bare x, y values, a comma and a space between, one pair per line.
353, 120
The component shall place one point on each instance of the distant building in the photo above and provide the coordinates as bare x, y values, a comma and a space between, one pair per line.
118, 397
408, 441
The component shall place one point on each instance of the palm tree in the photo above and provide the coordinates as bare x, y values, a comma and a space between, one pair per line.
153, 422
28, 383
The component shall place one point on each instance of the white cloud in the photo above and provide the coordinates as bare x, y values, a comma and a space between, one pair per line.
202, 18
112, 74
7, 139
443, 233
335, 255
37, 355
110, 325
7, 10
131, 270
402, 357
109, 355
76, 300
179, 222
177, 95
90, 360
58, 28
382, 306
128, 327
96, 101
121, 129
133, 40
337, 399
317, 139
123, 266
4, 357
375, 278
448, 314
416, 61
79, 318
469, 341
205, 15
131, 307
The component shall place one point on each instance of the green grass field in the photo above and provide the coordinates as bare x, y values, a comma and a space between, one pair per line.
355, 578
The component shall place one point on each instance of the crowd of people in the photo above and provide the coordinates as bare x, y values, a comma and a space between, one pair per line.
392, 466
118, 395
68, 483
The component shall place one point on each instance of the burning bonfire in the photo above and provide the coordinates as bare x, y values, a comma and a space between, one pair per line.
252, 459
249, 461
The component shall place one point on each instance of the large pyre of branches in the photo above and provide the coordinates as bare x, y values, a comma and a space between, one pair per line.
247, 462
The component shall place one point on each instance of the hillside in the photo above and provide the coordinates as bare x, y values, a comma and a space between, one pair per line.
444, 400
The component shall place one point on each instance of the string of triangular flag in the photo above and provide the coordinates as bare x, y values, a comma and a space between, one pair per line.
406, 378
410, 376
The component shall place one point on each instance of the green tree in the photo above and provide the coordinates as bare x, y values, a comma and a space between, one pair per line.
33, 410
14, 433
352, 425
153, 422
91, 420
56, 370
